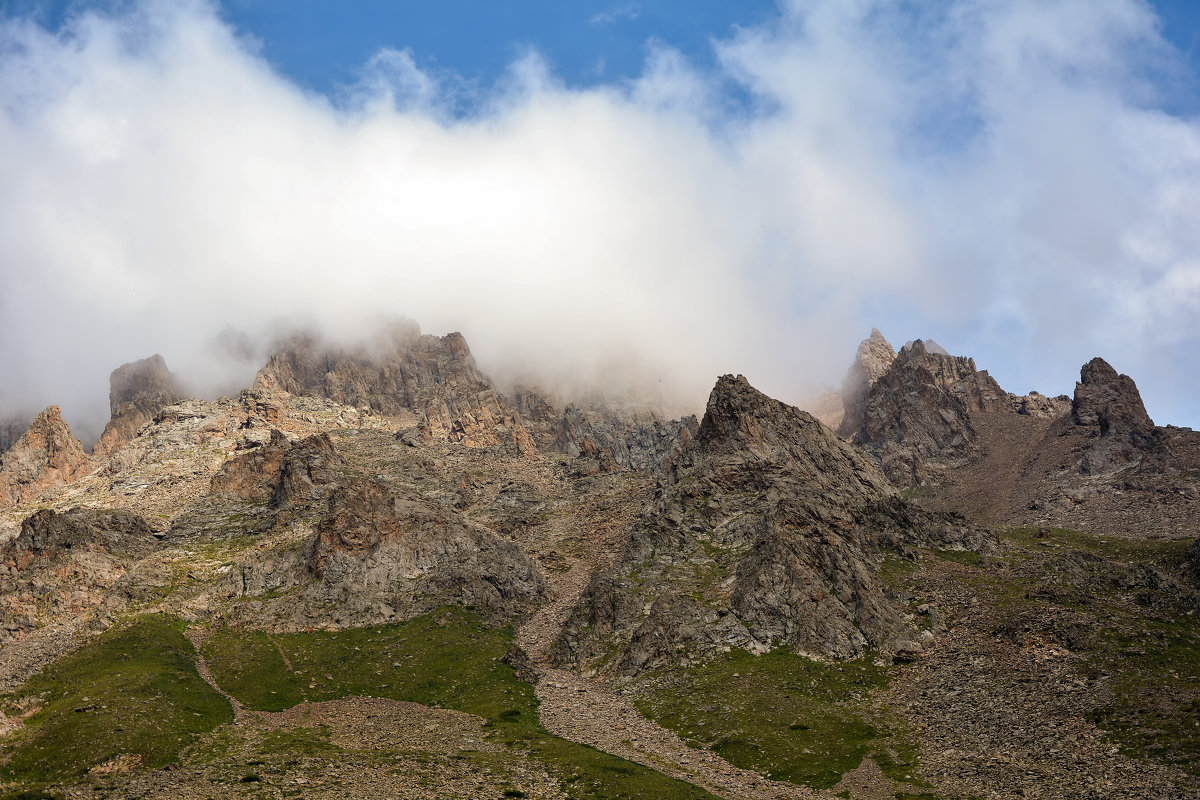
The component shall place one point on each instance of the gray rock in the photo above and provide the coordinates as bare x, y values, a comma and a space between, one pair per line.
765, 533
1111, 406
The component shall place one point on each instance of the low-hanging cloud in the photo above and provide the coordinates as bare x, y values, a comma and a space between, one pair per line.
1000, 176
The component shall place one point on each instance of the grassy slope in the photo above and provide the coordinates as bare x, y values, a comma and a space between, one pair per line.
444, 659
135, 690
786, 716
1147, 644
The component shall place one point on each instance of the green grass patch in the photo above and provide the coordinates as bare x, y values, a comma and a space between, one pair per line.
967, 558
1154, 676
786, 716
134, 690
448, 659
1160, 551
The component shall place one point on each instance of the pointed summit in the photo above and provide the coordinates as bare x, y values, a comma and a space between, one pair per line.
872, 360
137, 392
1112, 405
46, 455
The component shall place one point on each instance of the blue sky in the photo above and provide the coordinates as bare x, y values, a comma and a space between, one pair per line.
598, 194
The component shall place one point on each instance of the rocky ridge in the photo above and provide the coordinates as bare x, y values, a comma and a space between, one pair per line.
285, 510
763, 534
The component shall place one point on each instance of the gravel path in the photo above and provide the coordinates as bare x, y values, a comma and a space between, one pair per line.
197, 636
585, 711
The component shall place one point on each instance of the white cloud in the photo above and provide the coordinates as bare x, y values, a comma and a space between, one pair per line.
995, 175
617, 13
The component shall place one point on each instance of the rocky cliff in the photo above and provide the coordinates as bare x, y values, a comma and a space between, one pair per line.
61, 564
435, 378
376, 557
764, 533
45, 456
137, 392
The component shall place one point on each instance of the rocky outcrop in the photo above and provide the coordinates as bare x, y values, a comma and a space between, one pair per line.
1191, 563
872, 360
137, 392
45, 456
918, 411
61, 563
617, 438
282, 472
1110, 405
435, 378
1039, 405
764, 533
376, 557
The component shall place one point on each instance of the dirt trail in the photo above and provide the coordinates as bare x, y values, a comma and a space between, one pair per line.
585, 711
197, 637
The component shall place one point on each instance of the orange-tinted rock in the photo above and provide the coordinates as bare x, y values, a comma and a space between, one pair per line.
46, 455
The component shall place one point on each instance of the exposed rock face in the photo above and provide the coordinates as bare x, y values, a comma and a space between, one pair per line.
282, 472
61, 563
763, 534
376, 558
1111, 405
433, 377
918, 411
872, 360
1039, 405
617, 438
137, 392
45, 456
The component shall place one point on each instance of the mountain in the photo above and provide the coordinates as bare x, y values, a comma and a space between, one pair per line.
47, 455
375, 572
137, 392
764, 533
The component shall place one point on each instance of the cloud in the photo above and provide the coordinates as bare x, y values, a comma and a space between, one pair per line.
618, 13
999, 176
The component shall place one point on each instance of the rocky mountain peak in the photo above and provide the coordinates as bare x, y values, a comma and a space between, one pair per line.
744, 429
1109, 400
46, 455
872, 360
763, 534
403, 372
146, 383
137, 392
1111, 404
